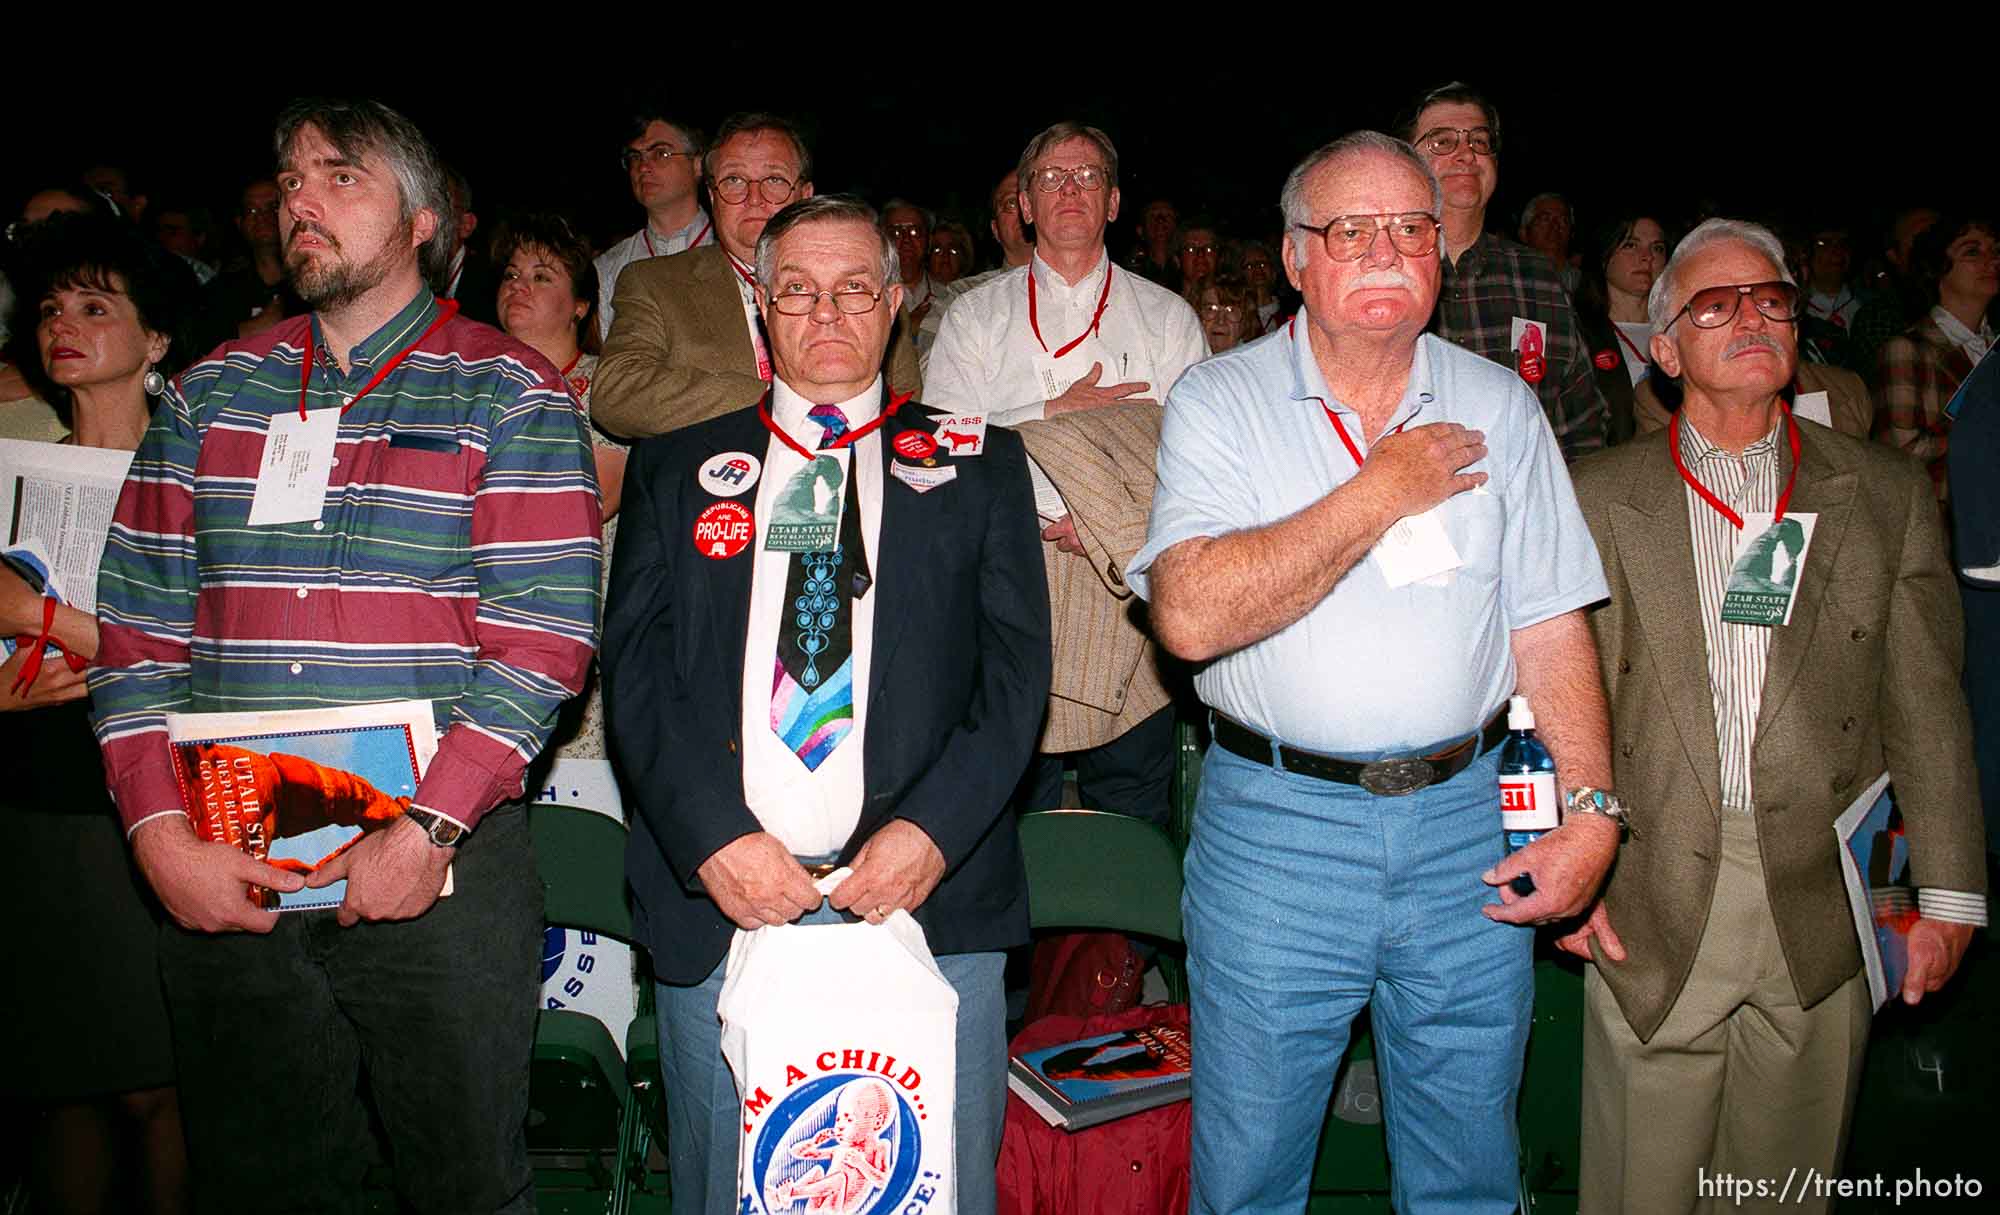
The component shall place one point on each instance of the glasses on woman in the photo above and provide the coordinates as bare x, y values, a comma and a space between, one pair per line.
734, 189
1230, 310
1350, 237
1443, 141
1714, 307
798, 302
1086, 177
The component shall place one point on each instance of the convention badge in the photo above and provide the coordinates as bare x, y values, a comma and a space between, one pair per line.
1813, 407
723, 529
1606, 360
963, 434
727, 474
297, 460
923, 480
1529, 342
805, 516
914, 445
1763, 582
1415, 548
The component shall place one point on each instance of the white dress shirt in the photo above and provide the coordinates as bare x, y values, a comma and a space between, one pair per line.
987, 359
812, 812
638, 247
746, 289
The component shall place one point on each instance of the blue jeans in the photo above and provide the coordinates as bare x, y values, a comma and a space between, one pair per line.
704, 1112
1306, 900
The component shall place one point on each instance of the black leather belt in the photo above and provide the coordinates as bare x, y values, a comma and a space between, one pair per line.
1392, 776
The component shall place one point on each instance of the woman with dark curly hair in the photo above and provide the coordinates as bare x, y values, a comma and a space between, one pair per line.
1958, 262
90, 1043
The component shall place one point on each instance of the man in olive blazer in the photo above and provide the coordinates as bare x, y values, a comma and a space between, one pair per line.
1726, 1011
681, 349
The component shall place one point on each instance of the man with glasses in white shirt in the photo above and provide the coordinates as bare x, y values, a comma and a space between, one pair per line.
689, 344
1084, 351
662, 158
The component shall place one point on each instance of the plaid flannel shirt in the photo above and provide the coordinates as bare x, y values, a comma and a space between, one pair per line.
1497, 280
1915, 375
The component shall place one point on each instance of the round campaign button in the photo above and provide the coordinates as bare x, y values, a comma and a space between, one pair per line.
723, 529
915, 444
727, 474
1605, 359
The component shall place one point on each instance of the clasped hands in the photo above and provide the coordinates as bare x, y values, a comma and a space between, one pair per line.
757, 882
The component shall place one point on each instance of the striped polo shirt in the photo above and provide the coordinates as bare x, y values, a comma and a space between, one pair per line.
456, 558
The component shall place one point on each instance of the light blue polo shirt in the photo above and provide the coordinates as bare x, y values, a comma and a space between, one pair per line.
1371, 668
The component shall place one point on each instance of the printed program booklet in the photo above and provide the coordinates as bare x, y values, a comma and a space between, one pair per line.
1875, 860
296, 787
1091, 1080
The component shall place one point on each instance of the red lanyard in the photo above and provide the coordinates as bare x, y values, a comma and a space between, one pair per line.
572, 365
1034, 323
1292, 333
446, 310
31, 666
1721, 507
1637, 353
745, 275
764, 416
647, 232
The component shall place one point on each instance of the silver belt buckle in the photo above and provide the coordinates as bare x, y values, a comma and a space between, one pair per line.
1396, 777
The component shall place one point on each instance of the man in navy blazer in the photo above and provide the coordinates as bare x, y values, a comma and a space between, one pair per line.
896, 718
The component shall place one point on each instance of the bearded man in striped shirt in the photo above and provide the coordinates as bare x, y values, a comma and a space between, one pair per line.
449, 553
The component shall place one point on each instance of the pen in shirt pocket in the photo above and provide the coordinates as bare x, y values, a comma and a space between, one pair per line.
1124, 365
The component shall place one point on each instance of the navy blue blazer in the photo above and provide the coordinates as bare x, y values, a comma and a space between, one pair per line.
957, 686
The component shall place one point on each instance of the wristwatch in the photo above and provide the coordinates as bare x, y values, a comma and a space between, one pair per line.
442, 831
1587, 800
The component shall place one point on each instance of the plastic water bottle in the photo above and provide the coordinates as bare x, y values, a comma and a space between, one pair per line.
1529, 807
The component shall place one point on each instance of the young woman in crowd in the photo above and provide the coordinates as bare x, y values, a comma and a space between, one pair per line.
1958, 262
1618, 270
548, 289
91, 1044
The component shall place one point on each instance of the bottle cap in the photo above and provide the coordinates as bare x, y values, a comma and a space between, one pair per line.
1519, 715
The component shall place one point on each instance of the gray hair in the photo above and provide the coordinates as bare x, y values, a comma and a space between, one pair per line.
1292, 199
1063, 132
362, 130
818, 208
1528, 212
1665, 300
924, 213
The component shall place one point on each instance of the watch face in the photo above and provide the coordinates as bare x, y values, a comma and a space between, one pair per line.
445, 833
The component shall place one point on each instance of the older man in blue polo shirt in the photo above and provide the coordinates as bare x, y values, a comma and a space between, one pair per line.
1367, 537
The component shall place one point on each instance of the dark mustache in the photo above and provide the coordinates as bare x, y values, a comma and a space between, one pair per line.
306, 225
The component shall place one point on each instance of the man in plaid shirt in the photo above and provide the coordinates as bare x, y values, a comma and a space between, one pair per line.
1498, 298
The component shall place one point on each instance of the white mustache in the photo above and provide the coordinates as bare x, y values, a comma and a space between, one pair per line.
1743, 342
1383, 278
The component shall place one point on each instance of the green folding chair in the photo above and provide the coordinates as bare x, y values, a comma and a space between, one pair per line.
581, 1106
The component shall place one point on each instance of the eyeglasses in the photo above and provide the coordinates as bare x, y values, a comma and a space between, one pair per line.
853, 301
734, 189
1350, 237
946, 251
1011, 205
1086, 177
267, 209
1443, 141
1207, 249
1714, 307
1222, 309
659, 153
901, 230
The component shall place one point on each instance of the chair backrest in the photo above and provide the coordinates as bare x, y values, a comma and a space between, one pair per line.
580, 855
1089, 869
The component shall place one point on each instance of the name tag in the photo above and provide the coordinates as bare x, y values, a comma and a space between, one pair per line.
805, 517
1814, 405
1764, 580
922, 479
298, 459
1415, 548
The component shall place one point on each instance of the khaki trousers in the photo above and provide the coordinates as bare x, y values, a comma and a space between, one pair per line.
1739, 1086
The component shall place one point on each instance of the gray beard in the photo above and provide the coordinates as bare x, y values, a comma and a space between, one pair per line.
331, 288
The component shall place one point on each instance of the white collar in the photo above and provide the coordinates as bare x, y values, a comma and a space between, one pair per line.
789, 409
693, 229
1046, 278
1956, 332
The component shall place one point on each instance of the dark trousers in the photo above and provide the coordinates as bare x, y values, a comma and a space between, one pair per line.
1131, 775
276, 1036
